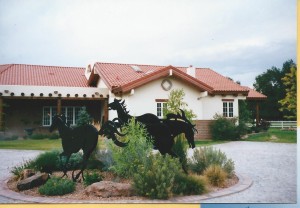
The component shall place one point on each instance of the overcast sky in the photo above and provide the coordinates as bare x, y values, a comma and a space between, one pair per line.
237, 38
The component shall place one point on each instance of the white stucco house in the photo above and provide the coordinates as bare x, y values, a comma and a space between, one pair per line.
28, 93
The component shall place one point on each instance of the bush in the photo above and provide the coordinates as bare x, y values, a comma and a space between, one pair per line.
180, 148
47, 161
91, 177
105, 157
17, 170
38, 136
127, 159
57, 186
224, 129
216, 175
189, 185
203, 157
155, 178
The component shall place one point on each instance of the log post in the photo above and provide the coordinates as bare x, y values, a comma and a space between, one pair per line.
58, 106
257, 113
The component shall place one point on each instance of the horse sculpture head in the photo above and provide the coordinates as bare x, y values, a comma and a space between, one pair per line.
56, 121
118, 105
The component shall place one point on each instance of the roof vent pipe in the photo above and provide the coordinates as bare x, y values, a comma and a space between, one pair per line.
191, 71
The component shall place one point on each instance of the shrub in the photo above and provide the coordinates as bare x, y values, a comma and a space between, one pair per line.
17, 170
127, 159
105, 157
57, 186
47, 161
203, 157
91, 177
216, 175
224, 129
155, 178
189, 185
38, 136
50, 161
180, 148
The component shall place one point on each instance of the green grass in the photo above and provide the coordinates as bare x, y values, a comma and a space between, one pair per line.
281, 136
30, 144
208, 142
274, 135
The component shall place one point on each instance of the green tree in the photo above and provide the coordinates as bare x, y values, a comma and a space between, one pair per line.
83, 117
176, 102
289, 103
270, 83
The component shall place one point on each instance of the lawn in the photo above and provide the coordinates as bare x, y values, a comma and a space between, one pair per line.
34, 144
274, 135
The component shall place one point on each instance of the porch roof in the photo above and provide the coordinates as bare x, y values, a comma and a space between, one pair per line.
37, 75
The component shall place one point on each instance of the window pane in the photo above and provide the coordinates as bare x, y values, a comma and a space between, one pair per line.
69, 115
158, 109
46, 116
230, 109
225, 111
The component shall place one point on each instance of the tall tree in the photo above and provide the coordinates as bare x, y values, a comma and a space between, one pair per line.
289, 103
270, 83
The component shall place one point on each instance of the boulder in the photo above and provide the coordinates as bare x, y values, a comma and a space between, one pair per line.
33, 181
107, 189
26, 173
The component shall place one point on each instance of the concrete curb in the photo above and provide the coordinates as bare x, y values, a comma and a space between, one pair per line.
244, 183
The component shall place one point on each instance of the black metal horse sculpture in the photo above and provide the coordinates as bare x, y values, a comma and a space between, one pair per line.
162, 131
73, 139
124, 116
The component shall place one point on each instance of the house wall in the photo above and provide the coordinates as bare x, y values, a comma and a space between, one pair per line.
142, 100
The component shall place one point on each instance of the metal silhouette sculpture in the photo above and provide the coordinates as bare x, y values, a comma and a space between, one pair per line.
162, 131
73, 139
124, 116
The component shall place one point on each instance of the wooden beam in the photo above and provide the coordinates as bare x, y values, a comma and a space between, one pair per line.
59, 106
257, 113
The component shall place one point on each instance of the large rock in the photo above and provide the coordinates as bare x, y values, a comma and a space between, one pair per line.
33, 181
26, 173
107, 189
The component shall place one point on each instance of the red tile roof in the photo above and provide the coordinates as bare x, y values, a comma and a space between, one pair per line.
124, 78
21, 74
254, 95
119, 77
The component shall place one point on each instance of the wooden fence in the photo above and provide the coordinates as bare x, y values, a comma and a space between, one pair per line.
283, 124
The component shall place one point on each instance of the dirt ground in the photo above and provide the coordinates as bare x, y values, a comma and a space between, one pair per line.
80, 194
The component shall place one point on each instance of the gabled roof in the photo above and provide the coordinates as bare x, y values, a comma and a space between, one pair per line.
36, 75
254, 95
123, 78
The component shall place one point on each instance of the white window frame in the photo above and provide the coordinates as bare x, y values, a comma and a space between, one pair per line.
69, 111
228, 110
160, 108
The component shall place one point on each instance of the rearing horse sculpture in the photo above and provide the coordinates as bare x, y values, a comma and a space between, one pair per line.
124, 116
163, 131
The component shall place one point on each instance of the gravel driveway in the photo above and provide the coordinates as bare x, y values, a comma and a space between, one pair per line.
271, 166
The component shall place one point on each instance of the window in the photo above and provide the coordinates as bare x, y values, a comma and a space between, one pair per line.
70, 112
228, 108
160, 108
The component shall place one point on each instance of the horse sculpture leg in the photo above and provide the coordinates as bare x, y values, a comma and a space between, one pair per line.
65, 170
83, 166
